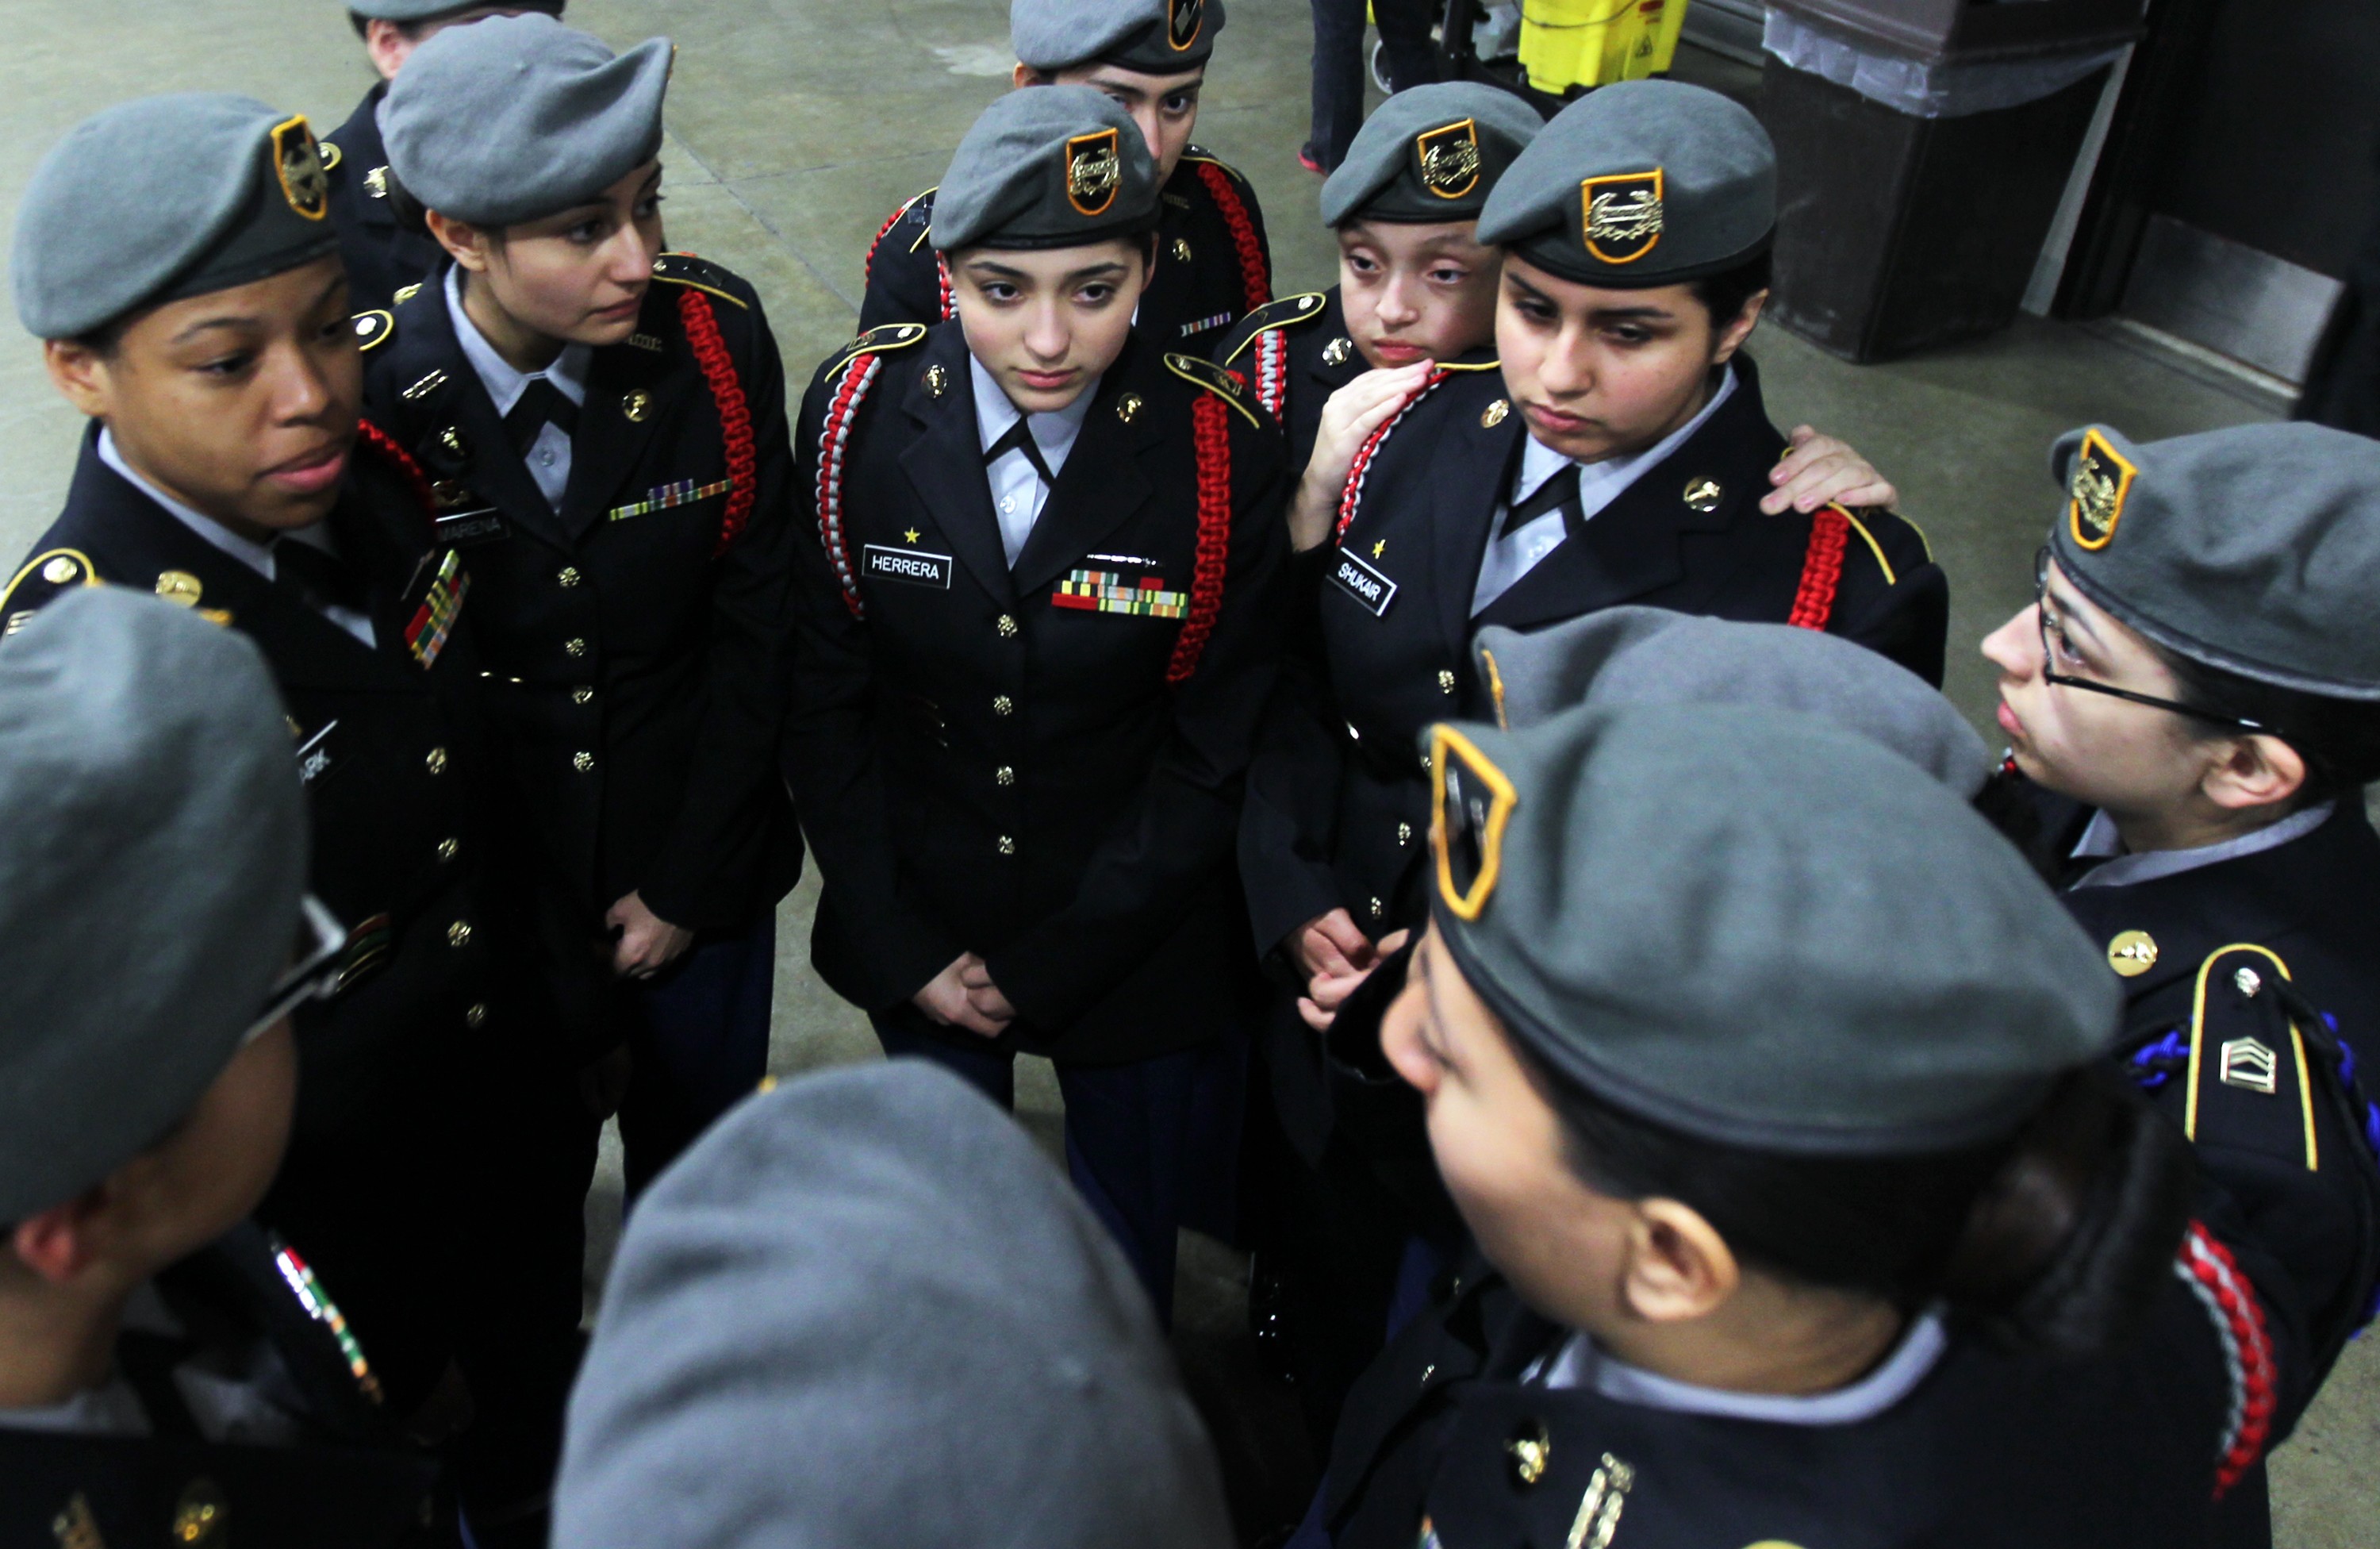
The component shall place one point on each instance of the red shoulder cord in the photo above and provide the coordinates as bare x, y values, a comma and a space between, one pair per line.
2213, 1276
1254, 274
1822, 570
734, 414
396, 456
1352, 496
1212, 433
856, 375
1272, 371
867, 269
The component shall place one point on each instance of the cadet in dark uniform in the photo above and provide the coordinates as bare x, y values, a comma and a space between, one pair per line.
168, 1374
2193, 708
385, 257
605, 425
201, 322
1213, 265
1038, 621
1757, 1267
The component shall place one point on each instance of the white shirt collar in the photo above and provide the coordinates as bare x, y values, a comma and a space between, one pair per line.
503, 382
2100, 839
1578, 1363
1601, 483
256, 556
1054, 431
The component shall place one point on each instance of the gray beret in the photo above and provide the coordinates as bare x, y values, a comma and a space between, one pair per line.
1052, 167
1156, 37
1431, 153
516, 117
1638, 184
1763, 931
153, 855
154, 201
2253, 549
1639, 656
433, 10
865, 1311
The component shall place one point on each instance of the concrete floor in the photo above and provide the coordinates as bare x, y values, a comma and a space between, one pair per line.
796, 125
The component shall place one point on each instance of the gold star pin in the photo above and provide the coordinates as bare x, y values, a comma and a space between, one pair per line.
911, 535
1378, 547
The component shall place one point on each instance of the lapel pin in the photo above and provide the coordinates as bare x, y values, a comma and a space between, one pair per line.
1493, 415
636, 405
1127, 407
1335, 353
2132, 953
180, 588
938, 382
1703, 495
1181, 251
452, 439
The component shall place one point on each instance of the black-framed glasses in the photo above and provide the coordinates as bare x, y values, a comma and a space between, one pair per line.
320, 950
2049, 672
1470, 803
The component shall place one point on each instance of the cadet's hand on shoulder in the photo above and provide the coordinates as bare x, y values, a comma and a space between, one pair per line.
646, 944
948, 1001
1354, 412
1819, 470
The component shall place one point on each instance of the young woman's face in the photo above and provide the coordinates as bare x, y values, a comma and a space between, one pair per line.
578, 276
2109, 752
241, 403
1500, 1147
1047, 322
1416, 292
1599, 374
1165, 106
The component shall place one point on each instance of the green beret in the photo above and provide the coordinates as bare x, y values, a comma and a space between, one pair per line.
1431, 153
1640, 655
1757, 929
1050, 166
2252, 549
516, 117
154, 201
153, 858
437, 10
1154, 37
1639, 184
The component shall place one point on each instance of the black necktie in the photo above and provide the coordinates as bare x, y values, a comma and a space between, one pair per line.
1019, 438
320, 579
1561, 492
541, 403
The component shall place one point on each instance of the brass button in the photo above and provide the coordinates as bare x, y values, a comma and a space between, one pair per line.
569, 576
2247, 983
449, 848
200, 1516
1445, 681
478, 1014
574, 647
1004, 775
459, 934
436, 762
1404, 835
1007, 845
582, 762
1001, 704
581, 694
1375, 909
1007, 626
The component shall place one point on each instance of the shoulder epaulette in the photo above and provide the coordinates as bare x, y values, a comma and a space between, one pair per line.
1224, 384
374, 328
1199, 153
43, 578
1287, 313
876, 341
700, 273
2250, 1088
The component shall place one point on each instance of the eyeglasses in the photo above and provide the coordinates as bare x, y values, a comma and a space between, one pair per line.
321, 944
1471, 801
2049, 674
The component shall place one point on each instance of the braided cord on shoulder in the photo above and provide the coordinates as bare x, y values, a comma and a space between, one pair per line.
735, 413
1256, 275
1822, 570
385, 446
858, 373
2213, 1276
1212, 433
1351, 498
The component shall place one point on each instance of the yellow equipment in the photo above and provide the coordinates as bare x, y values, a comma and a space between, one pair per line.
1593, 43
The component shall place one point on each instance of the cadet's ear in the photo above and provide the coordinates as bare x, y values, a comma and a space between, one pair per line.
1678, 1267
2256, 770
465, 243
1025, 75
1731, 338
60, 1242
79, 370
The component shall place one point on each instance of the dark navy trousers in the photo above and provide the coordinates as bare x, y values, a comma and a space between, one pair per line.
699, 1044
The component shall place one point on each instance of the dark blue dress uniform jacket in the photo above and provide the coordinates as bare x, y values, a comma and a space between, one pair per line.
1207, 279
983, 768
383, 257
1338, 805
636, 668
352, 1481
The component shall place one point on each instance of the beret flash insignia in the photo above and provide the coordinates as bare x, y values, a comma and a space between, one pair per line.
298, 162
2102, 481
1094, 172
1184, 20
1621, 214
1450, 158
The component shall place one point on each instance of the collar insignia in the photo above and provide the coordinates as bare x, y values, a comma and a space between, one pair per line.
1621, 214
2095, 494
1094, 172
297, 161
1449, 159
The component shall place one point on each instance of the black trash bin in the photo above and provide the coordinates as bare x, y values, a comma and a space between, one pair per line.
1923, 147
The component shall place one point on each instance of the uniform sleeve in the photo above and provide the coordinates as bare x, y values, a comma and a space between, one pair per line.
903, 278
707, 868
895, 943
1288, 826
1180, 833
1894, 599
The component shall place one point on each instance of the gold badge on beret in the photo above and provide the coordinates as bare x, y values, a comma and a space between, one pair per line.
298, 161
1184, 20
1622, 215
1094, 172
2102, 481
1449, 159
